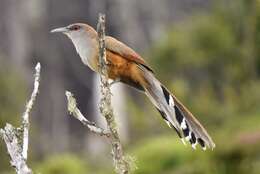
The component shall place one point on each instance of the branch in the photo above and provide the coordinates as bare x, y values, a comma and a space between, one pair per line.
120, 163
72, 108
12, 136
25, 116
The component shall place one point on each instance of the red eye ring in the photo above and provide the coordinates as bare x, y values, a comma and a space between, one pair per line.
75, 27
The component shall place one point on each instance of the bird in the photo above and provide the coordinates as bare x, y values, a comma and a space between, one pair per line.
126, 66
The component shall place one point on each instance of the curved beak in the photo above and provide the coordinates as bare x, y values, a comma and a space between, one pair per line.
60, 30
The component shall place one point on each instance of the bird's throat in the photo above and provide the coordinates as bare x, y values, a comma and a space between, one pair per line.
87, 48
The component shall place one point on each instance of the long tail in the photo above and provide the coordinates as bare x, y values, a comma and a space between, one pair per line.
175, 114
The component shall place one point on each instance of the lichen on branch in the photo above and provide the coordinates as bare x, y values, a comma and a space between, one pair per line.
120, 163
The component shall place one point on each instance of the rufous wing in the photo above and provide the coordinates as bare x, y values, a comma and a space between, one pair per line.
124, 51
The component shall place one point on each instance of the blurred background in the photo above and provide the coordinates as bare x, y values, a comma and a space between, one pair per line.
205, 51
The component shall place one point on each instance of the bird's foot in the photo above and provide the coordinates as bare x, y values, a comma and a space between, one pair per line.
111, 82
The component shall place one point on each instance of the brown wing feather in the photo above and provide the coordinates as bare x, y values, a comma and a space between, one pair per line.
126, 52
124, 70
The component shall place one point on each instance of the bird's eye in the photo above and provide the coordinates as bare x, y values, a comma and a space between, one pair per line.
75, 27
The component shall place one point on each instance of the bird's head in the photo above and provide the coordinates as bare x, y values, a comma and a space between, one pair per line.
76, 31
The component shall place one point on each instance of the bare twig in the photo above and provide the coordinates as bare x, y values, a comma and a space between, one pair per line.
12, 137
72, 108
29, 105
120, 163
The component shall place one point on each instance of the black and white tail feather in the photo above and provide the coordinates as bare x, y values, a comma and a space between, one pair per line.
175, 114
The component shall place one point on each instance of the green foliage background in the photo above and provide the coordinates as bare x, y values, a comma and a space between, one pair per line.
211, 62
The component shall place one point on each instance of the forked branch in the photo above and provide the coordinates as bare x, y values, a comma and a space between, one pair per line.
120, 163
17, 139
